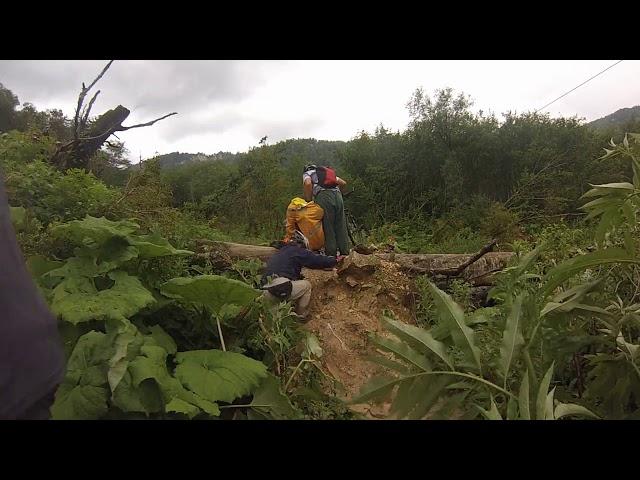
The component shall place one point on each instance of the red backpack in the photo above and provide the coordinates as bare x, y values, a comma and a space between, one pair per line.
326, 177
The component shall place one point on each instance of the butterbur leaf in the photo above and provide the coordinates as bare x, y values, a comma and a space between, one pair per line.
278, 405
154, 245
98, 230
152, 364
163, 339
84, 392
453, 316
219, 376
77, 300
213, 291
180, 406
79, 402
145, 397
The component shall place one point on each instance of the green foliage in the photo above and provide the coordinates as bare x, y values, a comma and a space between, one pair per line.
219, 376
214, 291
126, 369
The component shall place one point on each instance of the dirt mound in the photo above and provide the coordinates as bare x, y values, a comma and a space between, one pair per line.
346, 307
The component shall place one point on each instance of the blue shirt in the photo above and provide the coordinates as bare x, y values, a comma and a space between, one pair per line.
289, 260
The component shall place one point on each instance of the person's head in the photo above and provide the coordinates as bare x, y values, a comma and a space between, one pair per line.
306, 168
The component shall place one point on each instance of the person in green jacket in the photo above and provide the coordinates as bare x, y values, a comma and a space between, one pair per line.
321, 185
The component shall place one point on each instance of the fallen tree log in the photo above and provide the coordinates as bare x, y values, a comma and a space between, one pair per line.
478, 269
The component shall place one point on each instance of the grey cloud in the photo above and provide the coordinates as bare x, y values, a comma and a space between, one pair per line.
192, 124
147, 87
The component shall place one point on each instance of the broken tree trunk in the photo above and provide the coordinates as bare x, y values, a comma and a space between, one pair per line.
479, 272
88, 138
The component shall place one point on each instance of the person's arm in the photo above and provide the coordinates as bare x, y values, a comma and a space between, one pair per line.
341, 184
307, 187
314, 260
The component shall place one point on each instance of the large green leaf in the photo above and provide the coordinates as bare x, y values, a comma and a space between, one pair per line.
403, 352
213, 291
523, 398
77, 300
95, 230
80, 402
512, 339
418, 338
571, 299
144, 397
154, 245
567, 269
219, 376
571, 409
163, 339
39, 265
124, 336
180, 406
376, 389
426, 391
152, 364
452, 315
493, 413
541, 398
83, 393
388, 363
278, 406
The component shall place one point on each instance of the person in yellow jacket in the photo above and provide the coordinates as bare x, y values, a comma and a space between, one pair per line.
305, 217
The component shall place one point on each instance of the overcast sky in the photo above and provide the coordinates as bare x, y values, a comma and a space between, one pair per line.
230, 105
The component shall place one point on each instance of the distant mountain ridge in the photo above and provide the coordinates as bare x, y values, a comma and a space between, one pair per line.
618, 119
320, 151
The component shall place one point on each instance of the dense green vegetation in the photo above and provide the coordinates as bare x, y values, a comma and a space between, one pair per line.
153, 331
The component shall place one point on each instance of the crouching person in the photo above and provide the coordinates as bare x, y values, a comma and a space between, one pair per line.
283, 281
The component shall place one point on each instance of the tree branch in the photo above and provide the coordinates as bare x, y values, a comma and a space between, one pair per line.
148, 124
454, 272
83, 93
85, 117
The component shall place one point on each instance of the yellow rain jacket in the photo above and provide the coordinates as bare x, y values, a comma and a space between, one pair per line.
306, 217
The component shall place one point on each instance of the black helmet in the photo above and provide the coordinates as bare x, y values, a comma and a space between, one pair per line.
306, 168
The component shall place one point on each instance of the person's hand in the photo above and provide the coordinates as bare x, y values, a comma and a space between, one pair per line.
340, 258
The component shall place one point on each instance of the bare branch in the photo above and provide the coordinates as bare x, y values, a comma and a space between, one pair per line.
85, 117
99, 76
83, 93
148, 124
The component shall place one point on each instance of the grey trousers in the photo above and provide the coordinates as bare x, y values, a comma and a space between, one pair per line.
300, 293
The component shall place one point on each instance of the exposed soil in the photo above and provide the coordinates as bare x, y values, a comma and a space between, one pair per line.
345, 309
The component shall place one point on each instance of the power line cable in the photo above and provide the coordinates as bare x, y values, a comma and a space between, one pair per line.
588, 80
